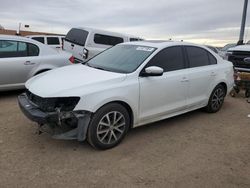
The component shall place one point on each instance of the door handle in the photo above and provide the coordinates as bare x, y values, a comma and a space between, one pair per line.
213, 74
28, 63
184, 79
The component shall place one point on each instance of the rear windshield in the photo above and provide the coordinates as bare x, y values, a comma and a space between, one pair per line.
77, 36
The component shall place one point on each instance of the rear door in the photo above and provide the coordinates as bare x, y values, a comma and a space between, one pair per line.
166, 94
202, 72
74, 42
17, 59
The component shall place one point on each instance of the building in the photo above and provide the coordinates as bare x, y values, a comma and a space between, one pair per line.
23, 33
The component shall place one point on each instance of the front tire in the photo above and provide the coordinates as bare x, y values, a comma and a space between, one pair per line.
216, 99
108, 126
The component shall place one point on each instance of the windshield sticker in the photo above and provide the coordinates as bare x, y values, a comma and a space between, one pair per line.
147, 49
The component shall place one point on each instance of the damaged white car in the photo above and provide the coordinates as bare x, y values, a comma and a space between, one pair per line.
126, 86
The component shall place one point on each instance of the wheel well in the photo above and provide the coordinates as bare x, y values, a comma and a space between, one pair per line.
224, 85
41, 71
128, 108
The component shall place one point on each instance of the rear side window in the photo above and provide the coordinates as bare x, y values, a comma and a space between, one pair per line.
77, 36
33, 50
53, 41
197, 56
170, 59
17, 49
212, 59
107, 40
39, 39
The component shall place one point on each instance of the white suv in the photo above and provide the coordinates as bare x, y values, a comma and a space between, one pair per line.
129, 85
84, 43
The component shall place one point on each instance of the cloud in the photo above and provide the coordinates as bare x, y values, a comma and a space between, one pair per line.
207, 21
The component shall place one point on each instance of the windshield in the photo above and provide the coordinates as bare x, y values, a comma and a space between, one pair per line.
121, 58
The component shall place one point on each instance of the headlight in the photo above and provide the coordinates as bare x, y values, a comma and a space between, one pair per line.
228, 54
51, 104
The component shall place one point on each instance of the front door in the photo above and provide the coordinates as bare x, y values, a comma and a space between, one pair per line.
166, 94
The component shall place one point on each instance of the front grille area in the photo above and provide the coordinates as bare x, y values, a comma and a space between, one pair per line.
237, 58
51, 104
44, 104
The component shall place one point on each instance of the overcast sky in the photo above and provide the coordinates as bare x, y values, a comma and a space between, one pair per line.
214, 22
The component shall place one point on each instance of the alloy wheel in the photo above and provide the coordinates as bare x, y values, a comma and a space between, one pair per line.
111, 127
218, 98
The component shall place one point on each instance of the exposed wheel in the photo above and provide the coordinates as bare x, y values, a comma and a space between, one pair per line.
108, 126
216, 99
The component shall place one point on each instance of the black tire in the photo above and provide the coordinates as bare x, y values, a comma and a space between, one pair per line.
42, 71
216, 99
106, 130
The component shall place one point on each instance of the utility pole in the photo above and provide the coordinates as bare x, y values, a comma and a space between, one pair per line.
243, 22
18, 30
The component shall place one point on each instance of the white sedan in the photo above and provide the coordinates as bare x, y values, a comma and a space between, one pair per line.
21, 58
129, 85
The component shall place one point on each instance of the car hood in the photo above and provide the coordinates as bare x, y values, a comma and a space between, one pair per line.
240, 48
64, 81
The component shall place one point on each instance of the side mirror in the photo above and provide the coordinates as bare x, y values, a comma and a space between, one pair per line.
152, 71
85, 53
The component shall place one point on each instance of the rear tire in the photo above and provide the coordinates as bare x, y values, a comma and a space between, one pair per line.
42, 71
108, 126
216, 99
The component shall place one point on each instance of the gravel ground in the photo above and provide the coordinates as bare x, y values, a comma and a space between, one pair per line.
192, 150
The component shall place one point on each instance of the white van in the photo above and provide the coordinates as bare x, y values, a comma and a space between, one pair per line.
84, 43
54, 41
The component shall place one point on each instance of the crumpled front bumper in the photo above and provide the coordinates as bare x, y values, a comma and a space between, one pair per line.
52, 122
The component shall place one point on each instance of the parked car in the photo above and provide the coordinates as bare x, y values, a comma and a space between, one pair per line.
240, 57
213, 49
54, 41
21, 58
84, 43
223, 51
126, 86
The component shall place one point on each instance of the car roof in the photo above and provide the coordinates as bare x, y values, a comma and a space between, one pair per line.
162, 44
89, 29
18, 38
45, 36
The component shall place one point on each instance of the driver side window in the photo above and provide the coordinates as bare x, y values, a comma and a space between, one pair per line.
170, 59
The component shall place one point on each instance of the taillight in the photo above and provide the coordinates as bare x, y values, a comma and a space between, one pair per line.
72, 59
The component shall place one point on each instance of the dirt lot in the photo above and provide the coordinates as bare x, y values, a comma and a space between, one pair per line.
193, 150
